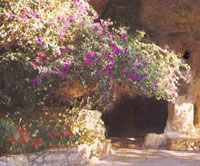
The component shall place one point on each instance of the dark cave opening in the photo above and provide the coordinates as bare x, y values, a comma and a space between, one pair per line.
135, 117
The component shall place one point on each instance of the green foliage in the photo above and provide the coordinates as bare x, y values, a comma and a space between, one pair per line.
52, 129
164, 71
47, 43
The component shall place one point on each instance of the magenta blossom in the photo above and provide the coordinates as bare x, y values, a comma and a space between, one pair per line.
89, 62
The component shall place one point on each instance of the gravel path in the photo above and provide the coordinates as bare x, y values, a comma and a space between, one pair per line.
134, 157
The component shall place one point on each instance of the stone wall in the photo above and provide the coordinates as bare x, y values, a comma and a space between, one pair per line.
74, 156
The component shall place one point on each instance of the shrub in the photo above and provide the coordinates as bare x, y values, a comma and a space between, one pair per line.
62, 41
52, 129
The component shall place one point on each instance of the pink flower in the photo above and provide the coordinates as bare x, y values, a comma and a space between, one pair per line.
10, 16
41, 54
36, 15
55, 71
46, 74
67, 49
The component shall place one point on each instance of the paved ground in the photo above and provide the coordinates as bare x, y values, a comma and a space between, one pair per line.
134, 156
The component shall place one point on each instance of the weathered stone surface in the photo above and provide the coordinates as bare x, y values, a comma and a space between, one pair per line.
180, 117
155, 141
3, 163
39, 159
197, 112
21, 160
184, 144
32, 157
11, 162
73, 157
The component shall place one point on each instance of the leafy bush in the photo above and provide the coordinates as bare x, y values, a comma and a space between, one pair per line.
63, 41
52, 129
88, 124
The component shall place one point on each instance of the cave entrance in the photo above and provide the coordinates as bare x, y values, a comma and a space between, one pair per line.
135, 117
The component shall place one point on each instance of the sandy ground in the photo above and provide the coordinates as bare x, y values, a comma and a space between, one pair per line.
135, 157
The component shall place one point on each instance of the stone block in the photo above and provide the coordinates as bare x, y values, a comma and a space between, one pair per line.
155, 141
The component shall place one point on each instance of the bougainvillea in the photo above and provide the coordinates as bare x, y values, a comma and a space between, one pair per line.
65, 39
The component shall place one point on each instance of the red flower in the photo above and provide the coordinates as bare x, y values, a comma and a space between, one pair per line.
49, 134
21, 141
18, 130
68, 133
25, 134
39, 141
58, 134
32, 143
11, 140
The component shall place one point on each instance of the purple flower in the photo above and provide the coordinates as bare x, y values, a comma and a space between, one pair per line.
96, 28
139, 67
62, 49
55, 71
71, 20
40, 42
138, 77
46, 74
89, 62
67, 49
125, 50
155, 85
66, 66
91, 54
144, 64
138, 57
64, 74
116, 51
107, 53
56, 54
124, 36
31, 50
37, 80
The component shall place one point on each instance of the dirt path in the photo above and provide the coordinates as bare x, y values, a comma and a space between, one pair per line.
134, 156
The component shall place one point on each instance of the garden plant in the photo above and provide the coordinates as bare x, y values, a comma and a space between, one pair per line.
50, 48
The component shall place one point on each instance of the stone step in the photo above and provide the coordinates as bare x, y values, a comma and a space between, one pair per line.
184, 144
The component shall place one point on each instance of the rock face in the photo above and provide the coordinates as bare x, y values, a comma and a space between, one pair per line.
99, 5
